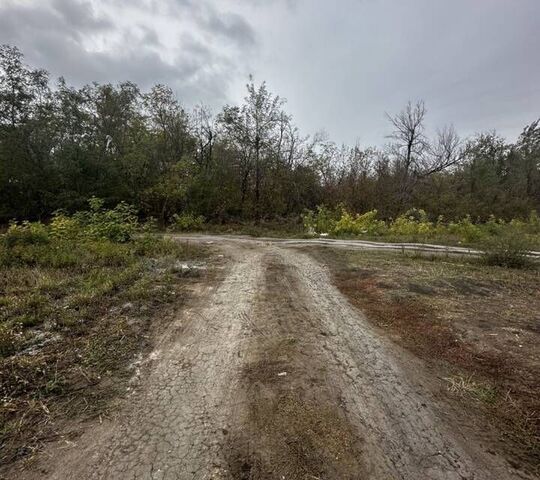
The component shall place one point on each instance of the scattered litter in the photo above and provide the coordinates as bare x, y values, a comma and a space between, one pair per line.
188, 267
127, 306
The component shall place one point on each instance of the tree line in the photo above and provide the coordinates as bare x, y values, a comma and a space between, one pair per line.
61, 145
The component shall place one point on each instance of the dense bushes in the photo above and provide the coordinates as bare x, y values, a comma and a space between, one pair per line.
186, 222
117, 225
509, 249
364, 224
415, 225
26, 233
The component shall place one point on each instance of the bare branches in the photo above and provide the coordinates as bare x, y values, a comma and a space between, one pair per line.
410, 140
414, 154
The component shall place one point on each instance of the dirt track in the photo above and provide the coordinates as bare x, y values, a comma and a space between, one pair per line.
271, 373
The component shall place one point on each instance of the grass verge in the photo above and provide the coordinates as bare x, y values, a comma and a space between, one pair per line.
475, 325
73, 314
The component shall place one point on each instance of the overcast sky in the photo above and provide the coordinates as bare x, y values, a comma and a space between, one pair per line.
341, 64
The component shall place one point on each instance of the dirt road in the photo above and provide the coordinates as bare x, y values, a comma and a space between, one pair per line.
271, 373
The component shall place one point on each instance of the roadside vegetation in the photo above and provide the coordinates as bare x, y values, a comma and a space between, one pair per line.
415, 226
246, 165
474, 324
78, 301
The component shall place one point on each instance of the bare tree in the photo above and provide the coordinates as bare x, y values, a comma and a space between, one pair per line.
204, 129
446, 152
415, 157
410, 142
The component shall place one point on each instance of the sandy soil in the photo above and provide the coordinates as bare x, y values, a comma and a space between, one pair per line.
272, 374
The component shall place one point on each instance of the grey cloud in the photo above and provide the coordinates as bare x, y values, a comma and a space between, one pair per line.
80, 14
213, 21
52, 35
231, 26
340, 64
71, 19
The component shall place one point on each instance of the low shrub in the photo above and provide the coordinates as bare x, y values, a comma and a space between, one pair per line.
467, 231
187, 222
415, 225
364, 224
323, 220
26, 233
117, 224
412, 223
64, 227
507, 250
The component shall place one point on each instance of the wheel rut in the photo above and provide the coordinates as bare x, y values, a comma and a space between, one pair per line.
272, 374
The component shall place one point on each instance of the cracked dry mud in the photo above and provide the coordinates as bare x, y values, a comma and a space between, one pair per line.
271, 373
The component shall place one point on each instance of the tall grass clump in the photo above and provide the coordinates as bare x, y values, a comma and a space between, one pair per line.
510, 250
26, 233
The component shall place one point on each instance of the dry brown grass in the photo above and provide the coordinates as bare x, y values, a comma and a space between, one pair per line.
470, 322
68, 330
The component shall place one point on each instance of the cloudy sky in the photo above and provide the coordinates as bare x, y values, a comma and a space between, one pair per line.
341, 64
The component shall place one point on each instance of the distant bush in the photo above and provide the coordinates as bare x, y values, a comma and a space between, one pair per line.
467, 231
64, 227
507, 250
415, 225
323, 220
186, 222
364, 224
412, 223
117, 224
26, 233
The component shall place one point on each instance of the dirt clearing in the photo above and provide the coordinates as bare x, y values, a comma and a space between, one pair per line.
272, 374
476, 327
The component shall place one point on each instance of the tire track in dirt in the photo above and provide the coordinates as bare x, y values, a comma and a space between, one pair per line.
274, 375
403, 436
293, 426
176, 422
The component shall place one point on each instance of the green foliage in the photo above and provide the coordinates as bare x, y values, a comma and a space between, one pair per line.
414, 223
150, 225
61, 146
364, 224
467, 231
187, 222
323, 220
64, 227
26, 233
507, 250
68, 241
117, 224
